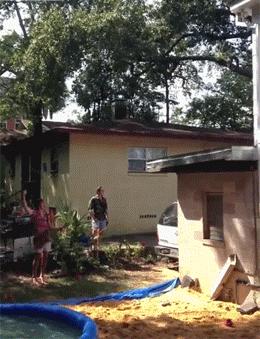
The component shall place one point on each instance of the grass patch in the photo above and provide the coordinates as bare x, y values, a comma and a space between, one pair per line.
19, 289
126, 267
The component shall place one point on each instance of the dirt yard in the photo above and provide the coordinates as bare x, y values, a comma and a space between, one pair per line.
178, 314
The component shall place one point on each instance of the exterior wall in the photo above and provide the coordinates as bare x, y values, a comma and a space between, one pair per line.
55, 187
203, 259
103, 160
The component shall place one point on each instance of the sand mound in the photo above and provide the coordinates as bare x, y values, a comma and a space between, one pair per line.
181, 313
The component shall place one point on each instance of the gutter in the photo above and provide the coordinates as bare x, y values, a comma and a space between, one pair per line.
238, 139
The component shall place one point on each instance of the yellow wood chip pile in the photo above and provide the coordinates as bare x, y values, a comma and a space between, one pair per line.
181, 313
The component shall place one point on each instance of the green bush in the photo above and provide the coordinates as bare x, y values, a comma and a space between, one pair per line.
128, 253
113, 253
68, 250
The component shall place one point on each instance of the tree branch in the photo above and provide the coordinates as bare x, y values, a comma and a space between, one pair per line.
212, 37
31, 11
177, 41
20, 19
216, 37
222, 62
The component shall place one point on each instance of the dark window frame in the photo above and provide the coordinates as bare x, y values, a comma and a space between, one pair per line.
12, 168
54, 161
206, 217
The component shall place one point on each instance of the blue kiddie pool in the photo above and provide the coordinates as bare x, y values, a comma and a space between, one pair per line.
47, 321
44, 322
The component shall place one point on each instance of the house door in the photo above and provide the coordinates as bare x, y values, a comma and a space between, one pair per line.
29, 174
25, 173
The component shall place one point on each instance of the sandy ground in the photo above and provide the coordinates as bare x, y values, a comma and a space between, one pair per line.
181, 313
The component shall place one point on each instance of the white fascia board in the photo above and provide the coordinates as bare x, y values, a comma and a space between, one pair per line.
244, 4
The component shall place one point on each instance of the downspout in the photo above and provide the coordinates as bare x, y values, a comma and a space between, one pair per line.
256, 110
256, 215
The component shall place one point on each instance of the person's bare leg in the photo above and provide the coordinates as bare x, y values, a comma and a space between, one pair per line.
43, 267
95, 241
92, 246
99, 233
35, 266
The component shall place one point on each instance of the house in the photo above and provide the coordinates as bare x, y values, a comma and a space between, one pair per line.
217, 221
76, 159
12, 129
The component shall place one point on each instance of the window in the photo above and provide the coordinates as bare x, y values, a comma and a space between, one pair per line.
138, 156
213, 219
12, 167
27, 169
54, 168
169, 216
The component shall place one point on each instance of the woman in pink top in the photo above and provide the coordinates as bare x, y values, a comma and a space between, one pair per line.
42, 243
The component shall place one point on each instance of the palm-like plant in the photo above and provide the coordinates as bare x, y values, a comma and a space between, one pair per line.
67, 246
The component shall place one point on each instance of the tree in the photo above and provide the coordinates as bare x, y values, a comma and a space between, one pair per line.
37, 62
228, 105
117, 39
192, 32
137, 48
121, 50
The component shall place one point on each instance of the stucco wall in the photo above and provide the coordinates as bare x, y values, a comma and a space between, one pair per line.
103, 160
55, 188
198, 258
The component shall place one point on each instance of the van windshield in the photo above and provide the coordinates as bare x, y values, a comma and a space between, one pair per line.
169, 216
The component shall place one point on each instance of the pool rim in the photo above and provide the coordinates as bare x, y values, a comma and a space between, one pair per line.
55, 312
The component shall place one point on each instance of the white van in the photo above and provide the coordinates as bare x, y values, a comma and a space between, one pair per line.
167, 232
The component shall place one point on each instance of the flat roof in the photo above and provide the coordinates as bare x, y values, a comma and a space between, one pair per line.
128, 127
55, 130
235, 158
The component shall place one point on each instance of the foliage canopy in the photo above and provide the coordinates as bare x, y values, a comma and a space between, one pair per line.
132, 51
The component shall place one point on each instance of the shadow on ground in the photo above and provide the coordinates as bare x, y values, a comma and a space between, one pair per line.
19, 288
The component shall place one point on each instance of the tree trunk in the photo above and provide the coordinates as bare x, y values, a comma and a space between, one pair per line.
167, 104
36, 154
37, 119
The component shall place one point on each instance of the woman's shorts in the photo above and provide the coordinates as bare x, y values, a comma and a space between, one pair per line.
99, 224
45, 248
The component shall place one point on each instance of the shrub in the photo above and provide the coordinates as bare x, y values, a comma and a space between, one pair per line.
68, 249
124, 252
